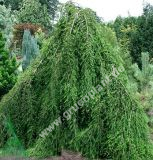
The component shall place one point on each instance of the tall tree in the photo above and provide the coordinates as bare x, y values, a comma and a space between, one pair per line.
124, 29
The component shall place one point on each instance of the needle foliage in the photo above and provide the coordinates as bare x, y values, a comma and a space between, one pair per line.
77, 57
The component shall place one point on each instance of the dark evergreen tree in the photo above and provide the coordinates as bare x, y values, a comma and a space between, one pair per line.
140, 39
52, 6
125, 29
15, 4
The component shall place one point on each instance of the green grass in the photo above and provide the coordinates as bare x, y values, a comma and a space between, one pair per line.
13, 148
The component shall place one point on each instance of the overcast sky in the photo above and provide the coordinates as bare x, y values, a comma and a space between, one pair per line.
110, 9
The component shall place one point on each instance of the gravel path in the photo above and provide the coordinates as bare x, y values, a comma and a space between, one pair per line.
66, 155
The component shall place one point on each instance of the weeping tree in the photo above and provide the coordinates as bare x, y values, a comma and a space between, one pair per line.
30, 49
105, 121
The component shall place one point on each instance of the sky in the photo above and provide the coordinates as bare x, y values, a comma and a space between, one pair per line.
110, 9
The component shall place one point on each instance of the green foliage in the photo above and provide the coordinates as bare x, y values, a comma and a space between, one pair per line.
144, 81
125, 29
128, 23
140, 35
30, 49
144, 76
41, 38
7, 20
112, 125
145, 31
8, 67
15, 4
51, 6
33, 12
13, 146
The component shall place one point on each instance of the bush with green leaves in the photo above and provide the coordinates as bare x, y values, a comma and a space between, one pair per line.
8, 68
75, 58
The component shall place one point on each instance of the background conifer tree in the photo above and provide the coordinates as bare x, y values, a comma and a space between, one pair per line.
30, 49
33, 12
51, 5
144, 82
